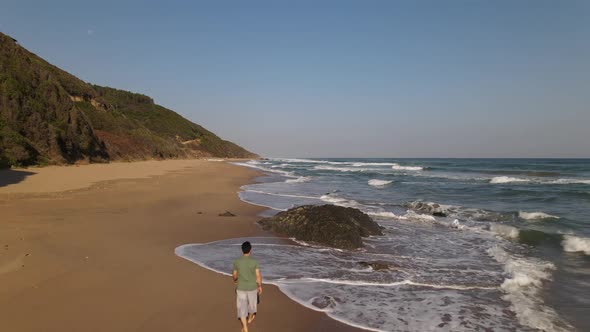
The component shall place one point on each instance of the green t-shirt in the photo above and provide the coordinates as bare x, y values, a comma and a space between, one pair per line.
246, 267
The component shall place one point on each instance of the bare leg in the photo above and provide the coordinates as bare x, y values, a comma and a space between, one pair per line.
244, 324
251, 318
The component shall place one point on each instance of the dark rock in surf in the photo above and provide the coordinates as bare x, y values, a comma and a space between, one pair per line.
428, 208
325, 302
377, 265
329, 225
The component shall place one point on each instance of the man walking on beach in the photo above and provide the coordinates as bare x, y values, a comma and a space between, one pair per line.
248, 283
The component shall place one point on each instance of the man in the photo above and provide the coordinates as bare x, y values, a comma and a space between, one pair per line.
248, 283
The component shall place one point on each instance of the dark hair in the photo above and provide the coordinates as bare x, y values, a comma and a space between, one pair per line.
246, 247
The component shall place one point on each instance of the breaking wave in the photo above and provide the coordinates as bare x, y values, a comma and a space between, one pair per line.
379, 183
569, 181
299, 179
506, 231
573, 243
336, 200
342, 169
359, 164
454, 211
522, 287
314, 161
257, 165
506, 179
535, 215
398, 167
410, 214
383, 214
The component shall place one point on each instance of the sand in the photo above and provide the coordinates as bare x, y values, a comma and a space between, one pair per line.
91, 248
65, 178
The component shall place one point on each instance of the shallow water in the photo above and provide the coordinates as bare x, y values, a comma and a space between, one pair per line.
507, 250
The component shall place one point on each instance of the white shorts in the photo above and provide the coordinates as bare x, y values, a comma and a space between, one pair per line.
246, 302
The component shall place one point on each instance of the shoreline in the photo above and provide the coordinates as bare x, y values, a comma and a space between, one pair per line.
101, 257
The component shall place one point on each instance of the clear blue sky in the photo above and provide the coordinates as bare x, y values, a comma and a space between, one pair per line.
468, 78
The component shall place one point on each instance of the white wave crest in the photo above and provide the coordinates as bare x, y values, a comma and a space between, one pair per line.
347, 163
523, 288
535, 215
398, 167
572, 243
506, 179
569, 181
299, 179
360, 164
411, 215
506, 231
299, 160
256, 165
392, 284
341, 169
457, 225
384, 214
333, 199
280, 195
379, 183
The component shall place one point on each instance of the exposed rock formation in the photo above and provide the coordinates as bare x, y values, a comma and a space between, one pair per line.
329, 225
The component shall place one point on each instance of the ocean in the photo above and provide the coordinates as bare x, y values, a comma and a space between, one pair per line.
475, 244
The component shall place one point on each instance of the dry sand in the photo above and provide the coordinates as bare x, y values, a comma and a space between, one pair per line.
81, 254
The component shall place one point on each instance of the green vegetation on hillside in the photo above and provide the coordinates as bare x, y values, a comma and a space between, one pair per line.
48, 116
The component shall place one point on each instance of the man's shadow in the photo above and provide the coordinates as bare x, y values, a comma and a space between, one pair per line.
12, 176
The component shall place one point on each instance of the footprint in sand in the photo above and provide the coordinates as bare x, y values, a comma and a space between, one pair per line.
12, 265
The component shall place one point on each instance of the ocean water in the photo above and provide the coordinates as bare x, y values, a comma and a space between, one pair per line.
475, 244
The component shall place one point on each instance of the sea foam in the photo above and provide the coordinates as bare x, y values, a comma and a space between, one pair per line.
398, 167
569, 181
359, 164
347, 163
506, 179
299, 160
535, 215
299, 179
505, 231
523, 288
333, 199
412, 215
383, 214
379, 183
280, 195
257, 165
573, 243
342, 169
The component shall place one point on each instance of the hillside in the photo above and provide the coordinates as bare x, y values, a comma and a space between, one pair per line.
48, 116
